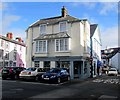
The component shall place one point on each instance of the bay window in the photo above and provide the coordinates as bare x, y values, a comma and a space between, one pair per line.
41, 46
61, 44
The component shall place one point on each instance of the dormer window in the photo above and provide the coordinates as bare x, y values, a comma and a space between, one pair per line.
43, 28
63, 26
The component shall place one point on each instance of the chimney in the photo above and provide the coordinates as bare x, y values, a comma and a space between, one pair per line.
64, 12
9, 35
19, 39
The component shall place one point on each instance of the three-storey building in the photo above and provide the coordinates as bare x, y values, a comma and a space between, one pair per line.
62, 41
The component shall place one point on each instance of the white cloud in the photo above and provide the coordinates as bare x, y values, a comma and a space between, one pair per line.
8, 20
92, 20
108, 7
109, 37
89, 5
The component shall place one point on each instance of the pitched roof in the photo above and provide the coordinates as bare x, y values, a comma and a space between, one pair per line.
53, 36
92, 29
110, 54
13, 41
55, 20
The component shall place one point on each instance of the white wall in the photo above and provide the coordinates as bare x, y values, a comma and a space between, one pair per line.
96, 43
115, 61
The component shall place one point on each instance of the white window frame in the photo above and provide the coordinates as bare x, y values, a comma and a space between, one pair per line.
40, 43
62, 48
41, 31
60, 26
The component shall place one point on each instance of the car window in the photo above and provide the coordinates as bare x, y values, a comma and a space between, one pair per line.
41, 70
112, 70
31, 69
54, 70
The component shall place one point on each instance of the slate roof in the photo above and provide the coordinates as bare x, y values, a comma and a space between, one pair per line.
13, 41
110, 55
53, 36
55, 20
92, 29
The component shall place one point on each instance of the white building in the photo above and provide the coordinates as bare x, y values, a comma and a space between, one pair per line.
12, 52
111, 58
62, 41
96, 47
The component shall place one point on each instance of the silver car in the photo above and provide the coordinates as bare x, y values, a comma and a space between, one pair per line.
31, 73
112, 71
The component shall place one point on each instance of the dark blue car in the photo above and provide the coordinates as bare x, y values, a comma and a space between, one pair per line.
56, 75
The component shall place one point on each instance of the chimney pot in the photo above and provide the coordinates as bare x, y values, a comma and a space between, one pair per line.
9, 35
19, 39
64, 12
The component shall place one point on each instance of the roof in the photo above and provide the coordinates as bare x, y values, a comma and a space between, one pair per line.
13, 41
55, 20
53, 36
92, 29
110, 54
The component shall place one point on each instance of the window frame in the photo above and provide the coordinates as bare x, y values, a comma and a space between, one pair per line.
43, 44
62, 48
60, 26
41, 31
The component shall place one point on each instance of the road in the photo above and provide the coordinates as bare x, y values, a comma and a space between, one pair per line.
96, 88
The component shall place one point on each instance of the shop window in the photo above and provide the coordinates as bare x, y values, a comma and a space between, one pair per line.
36, 63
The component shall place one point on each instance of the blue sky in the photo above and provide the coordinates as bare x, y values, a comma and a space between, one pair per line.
16, 17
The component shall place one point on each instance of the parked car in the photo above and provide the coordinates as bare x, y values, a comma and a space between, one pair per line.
11, 72
31, 73
56, 75
112, 71
0, 71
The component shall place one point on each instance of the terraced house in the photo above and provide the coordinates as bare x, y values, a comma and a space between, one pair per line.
12, 51
61, 41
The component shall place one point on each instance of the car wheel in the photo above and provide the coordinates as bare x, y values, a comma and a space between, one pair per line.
4, 78
37, 78
68, 79
58, 80
16, 77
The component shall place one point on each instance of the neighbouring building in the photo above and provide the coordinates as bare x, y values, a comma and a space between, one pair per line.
95, 48
12, 52
110, 58
61, 41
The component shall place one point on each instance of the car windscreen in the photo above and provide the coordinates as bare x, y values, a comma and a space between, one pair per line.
112, 70
31, 69
54, 70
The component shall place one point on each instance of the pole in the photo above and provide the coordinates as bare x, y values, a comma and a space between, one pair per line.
91, 60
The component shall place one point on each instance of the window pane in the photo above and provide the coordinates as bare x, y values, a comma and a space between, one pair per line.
36, 46
44, 46
36, 63
40, 46
57, 45
61, 45
42, 29
66, 44
62, 26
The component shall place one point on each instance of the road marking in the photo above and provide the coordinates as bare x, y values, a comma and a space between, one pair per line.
103, 97
110, 81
